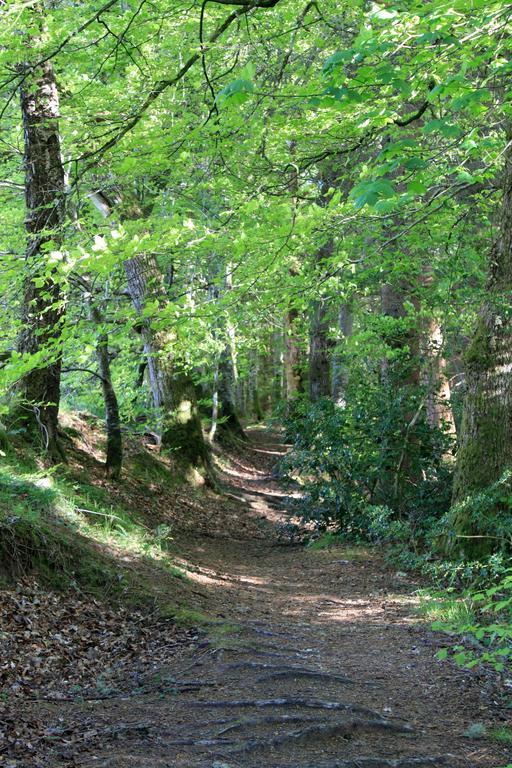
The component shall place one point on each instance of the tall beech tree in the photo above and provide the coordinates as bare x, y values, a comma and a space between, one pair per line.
485, 451
43, 303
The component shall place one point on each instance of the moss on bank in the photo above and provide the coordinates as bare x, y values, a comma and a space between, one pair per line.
66, 527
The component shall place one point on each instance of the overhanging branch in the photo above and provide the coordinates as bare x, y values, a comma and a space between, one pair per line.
161, 86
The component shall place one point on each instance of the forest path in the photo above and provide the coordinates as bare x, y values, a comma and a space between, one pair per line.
315, 659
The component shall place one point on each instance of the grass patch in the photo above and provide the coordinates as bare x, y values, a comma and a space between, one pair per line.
325, 541
446, 608
70, 534
502, 735
150, 469
187, 617
336, 544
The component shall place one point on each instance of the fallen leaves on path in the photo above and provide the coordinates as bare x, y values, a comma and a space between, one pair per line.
60, 646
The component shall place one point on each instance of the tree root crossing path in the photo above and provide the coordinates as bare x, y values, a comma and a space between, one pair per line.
311, 658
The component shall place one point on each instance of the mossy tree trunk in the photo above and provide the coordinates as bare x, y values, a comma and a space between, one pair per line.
43, 296
114, 458
292, 356
173, 390
485, 445
400, 376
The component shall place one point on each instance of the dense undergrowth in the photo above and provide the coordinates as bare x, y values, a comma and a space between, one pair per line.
71, 528
358, 488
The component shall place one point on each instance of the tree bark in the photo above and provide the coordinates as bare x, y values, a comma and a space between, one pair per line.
320, 345
173, 391
485, 447
292, 357
43, 295
438, 408
407, 372
277, 367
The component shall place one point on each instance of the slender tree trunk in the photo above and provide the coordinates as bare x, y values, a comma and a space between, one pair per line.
253, 384
485, 450
277, 367
320, 345
292, 355
173, 391
225, 414
340, 374
114, 460
229, 425
215, 406
293, 364
319, 353
438, 407
407, 372
43, 295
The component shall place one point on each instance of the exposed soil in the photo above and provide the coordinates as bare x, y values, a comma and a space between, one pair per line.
314, 659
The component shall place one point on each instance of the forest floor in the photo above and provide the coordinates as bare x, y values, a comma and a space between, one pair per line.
304, 659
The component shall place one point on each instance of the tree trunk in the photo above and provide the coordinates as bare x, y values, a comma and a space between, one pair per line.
319, 352
400, 377
407, 371
277, 367
225, 414
228, 423
173, 391
292, 355
340, 372
253, 383
485, 451
114, 460
438, 408
43, 296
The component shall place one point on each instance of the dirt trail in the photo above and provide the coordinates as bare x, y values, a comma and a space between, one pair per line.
317, 661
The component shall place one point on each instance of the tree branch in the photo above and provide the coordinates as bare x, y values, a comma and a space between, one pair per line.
163, 85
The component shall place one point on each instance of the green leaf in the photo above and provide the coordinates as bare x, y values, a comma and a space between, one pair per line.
369, 192
416, 187
340, 57
448, 130
236, 92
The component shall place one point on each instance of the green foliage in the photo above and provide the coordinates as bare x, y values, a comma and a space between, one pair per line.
488, 638
446, 607
484, 516
349, 461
